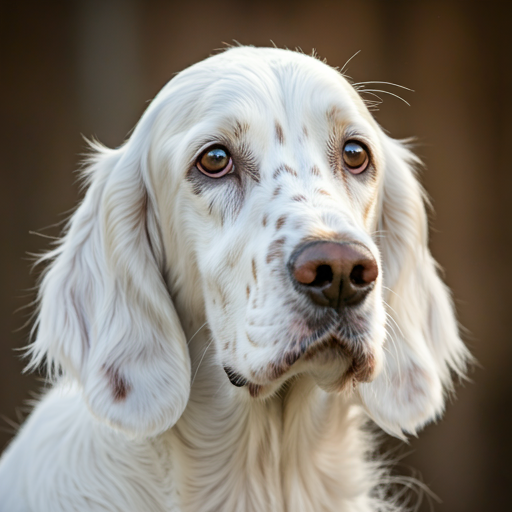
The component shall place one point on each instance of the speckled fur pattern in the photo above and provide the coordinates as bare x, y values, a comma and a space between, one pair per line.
170, 286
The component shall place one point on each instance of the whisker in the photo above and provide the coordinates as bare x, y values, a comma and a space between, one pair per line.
194, 335
396, 350
396, 294
346, 63
391, 318
385, 92
386, 83
202, 357
371, 94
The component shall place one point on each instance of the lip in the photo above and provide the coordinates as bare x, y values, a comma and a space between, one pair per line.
330, 340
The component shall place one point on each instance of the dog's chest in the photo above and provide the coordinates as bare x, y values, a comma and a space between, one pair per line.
269, 457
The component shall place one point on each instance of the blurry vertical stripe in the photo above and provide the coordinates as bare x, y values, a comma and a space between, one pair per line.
109, 67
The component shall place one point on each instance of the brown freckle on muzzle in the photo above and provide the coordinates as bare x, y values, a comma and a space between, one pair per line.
275, 249
316, 170
289, 170
251, 341
118, 384
280, 222
300, 198
276, 191
254, 273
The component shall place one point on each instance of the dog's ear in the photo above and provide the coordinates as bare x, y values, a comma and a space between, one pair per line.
106, 317
422, 347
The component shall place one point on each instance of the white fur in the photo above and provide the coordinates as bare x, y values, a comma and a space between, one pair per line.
161, 280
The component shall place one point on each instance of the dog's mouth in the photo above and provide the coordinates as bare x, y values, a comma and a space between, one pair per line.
331, 343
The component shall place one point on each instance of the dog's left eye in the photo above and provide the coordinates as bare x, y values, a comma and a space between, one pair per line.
355, 156
215, 162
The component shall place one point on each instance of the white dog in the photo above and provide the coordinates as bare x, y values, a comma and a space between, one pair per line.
246, 281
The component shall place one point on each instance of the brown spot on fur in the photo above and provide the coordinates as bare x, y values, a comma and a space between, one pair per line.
280, 222
275, 249
284, 168
279, 133
254, 273
120, 387
264, 221
289, 170
323, 192
251, 341
299, 198
276, 191
226, 345
316, 170
277, 172
248, 291
305, 132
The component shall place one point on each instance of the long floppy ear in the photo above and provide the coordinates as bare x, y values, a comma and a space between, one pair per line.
423, 346
106, 317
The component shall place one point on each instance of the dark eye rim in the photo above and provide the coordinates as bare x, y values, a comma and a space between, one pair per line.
365, 165
222, 172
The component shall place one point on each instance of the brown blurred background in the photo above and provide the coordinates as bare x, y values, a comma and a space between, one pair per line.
90, 66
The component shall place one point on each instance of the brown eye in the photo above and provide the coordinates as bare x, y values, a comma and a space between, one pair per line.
355, 157
215, 162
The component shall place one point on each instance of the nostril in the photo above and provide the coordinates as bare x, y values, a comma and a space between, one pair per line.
324, 276
357, 276
364, 273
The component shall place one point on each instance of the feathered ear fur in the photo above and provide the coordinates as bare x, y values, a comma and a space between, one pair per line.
422, 345
106, 317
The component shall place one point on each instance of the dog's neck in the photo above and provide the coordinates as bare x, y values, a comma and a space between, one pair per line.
301, 450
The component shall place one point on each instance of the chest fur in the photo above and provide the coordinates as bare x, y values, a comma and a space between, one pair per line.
304, 451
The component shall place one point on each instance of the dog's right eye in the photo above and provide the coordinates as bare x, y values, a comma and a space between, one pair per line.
215, 162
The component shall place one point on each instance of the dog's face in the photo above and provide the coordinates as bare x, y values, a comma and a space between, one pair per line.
257, 191
279, 174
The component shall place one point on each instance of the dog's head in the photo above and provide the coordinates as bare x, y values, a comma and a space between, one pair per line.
256, 190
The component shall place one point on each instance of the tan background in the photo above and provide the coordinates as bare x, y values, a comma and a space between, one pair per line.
90, 66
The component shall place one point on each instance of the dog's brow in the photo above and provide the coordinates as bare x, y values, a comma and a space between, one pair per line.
241, 129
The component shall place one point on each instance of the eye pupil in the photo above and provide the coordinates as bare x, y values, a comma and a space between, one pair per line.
215, 160
355, 156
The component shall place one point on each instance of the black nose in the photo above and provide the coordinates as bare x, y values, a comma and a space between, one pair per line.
334, 274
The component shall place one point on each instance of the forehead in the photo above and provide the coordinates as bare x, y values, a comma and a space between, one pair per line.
251, 84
